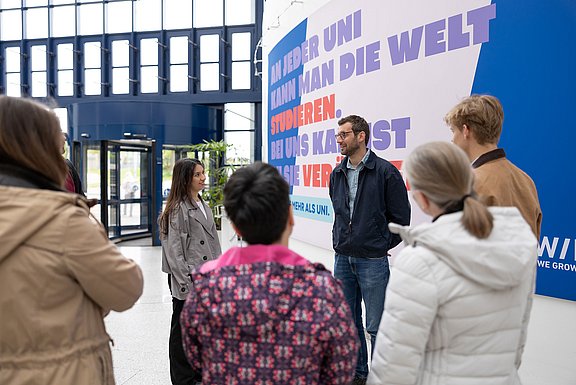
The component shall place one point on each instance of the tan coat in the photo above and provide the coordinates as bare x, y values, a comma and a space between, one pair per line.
59, 276
500, 183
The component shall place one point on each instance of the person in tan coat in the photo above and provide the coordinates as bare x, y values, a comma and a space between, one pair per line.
476, 125
59, 273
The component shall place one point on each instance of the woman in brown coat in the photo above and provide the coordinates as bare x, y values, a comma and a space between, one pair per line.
59, 273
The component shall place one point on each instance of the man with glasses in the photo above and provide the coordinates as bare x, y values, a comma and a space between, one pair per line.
367, 193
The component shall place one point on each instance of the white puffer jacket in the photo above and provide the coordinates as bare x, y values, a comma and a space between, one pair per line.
457, 307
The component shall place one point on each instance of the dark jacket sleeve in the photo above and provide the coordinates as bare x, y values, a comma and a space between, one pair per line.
75, 178
397, 203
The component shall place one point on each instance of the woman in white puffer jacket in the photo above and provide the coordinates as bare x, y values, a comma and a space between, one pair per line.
458, 300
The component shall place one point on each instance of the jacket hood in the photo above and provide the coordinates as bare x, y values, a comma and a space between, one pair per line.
25, 211
256, 285
499, 261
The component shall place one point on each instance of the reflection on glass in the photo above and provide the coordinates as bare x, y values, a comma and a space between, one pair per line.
13, 59
177, 14
243, 149
92, 54
39, 84
55, 2
92, 80
11, 25
238, 116
64, 56
179, 78
209, 48
149, 79
38, 53
209, 77
240, 12
120, 81
13, 84
119, 17
241, 46
63, 21
179, 49
90, 19
147, 14
37, 23
120, 53
10, 4
208, 13
149, 52
241, 75
35, 3
66, 83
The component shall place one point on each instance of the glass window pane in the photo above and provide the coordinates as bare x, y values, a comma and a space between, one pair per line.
36, 3
238, 116
241, 46
147, 15
241, 75
11, 4
38, 53
240, 12
210, 77
120, 81
177, 14
13, 84
208, 13
178, 49
179, 78
242, 150
149, 52
37, 23
39, 84
13, 59
11, 25
209, 48
65, 83
92, 55
92, 80
90, 19
149, 79
55, 2
64, 56
63, 21
120, 53
119, 17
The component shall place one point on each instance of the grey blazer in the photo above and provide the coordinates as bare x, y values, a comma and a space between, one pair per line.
192, 240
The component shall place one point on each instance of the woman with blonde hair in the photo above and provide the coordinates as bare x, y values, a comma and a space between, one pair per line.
457, 303
59, 273
189, 238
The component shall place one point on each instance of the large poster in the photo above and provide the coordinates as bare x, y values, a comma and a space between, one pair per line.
402, 66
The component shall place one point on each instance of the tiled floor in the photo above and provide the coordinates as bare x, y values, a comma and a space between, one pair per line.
141, 333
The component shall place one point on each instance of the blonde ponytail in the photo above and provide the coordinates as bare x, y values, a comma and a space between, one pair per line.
442, 172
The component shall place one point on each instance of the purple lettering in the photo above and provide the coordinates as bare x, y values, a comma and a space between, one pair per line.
405, 50
434, 38
400, 126
480, 20
346, 66
373, 57
456, 38
381, 135
357, 24
317, 142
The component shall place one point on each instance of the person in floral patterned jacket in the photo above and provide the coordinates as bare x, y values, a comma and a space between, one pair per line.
263, 314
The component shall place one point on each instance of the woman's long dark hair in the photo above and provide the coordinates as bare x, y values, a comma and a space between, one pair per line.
179, 191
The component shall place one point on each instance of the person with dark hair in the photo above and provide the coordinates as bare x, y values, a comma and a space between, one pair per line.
189, 239
367, 193
263, 314
59, 273
458, 295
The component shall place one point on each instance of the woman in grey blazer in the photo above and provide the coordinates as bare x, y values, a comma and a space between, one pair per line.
189, 238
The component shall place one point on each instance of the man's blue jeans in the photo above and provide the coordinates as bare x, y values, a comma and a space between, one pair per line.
364, 279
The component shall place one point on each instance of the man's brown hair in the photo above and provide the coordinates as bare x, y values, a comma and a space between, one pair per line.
482, 114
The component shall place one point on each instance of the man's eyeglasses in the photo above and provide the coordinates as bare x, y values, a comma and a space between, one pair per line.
342, 135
